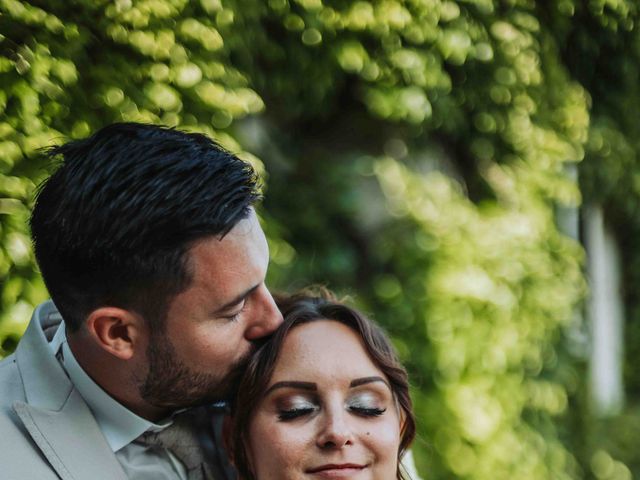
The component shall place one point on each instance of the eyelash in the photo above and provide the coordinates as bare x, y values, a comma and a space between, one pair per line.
292, 414
368, 412
235, 316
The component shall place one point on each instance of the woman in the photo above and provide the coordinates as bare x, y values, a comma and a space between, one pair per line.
325, 397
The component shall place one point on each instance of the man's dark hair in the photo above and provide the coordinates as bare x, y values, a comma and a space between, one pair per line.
114, 223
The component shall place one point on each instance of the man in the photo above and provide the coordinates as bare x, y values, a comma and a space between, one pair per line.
148, 243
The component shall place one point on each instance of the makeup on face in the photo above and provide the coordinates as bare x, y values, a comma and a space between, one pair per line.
294, 399
328, 412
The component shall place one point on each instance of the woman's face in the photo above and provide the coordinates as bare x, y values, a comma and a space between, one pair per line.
328, 412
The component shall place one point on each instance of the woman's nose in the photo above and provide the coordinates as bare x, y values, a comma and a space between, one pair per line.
335, 431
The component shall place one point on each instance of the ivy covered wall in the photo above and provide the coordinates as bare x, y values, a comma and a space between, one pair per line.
415, 155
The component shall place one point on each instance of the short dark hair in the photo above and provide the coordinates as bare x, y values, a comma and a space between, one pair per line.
114, 223
305, 307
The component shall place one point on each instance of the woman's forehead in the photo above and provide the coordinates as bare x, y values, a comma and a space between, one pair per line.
324, 348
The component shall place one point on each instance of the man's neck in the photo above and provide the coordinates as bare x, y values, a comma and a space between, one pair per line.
116, 377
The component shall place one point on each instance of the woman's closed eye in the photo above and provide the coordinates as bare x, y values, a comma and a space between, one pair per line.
365, 405
296, 409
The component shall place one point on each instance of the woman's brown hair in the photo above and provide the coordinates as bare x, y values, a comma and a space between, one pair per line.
303, 308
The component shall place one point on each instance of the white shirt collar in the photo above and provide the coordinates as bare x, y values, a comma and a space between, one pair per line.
119, 425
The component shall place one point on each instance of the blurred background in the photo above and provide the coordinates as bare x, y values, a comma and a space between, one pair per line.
467, 171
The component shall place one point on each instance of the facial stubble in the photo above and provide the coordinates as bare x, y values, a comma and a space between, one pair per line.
170, 383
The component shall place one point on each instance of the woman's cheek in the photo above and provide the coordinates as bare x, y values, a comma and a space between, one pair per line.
282, 453
383, 438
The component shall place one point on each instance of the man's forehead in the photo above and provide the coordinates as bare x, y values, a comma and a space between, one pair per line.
236, 262
247, 225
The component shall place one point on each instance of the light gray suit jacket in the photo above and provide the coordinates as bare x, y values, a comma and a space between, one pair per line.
46, 429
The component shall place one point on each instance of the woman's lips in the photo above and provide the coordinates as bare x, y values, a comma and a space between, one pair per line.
337, 470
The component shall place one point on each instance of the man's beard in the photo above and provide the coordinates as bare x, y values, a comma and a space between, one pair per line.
172, 384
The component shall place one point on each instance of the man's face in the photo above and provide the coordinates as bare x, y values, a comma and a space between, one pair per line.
211, 327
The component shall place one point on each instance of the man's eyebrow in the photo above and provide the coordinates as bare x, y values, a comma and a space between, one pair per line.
312, 387
364, 380
236, 300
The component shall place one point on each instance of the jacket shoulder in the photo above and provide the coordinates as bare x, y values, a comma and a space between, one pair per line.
20, 457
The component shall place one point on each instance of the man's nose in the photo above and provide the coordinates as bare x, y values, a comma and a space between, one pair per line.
336, 431
267, 316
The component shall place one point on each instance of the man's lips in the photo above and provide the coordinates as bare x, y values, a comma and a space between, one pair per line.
337, 469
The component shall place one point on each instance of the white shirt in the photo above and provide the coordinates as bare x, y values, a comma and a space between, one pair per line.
119, 425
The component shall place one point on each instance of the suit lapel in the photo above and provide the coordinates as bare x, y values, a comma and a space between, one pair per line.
55, 415
63, 435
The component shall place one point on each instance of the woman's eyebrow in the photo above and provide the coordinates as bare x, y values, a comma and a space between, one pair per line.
293, 384
364, 380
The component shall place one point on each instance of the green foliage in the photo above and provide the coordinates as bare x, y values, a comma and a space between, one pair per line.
488, 313
69, 68
416, 153
475, 292
600, 48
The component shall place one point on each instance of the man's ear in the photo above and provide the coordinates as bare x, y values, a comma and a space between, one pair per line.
118, 331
